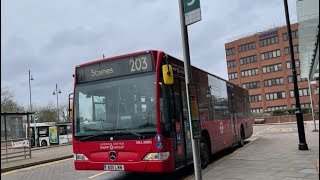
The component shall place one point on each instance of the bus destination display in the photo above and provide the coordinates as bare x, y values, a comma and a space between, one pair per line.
115, 68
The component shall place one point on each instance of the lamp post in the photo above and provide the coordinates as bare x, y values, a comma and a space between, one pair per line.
302, 138
69, 107
32, 119
57, 92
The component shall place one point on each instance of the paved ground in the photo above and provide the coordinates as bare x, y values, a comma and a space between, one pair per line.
272, 154
40, 156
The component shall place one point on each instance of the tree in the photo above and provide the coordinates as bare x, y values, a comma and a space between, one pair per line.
48, 113
8, 103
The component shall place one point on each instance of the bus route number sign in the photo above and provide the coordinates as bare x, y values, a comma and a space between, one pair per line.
195, 119
130, 65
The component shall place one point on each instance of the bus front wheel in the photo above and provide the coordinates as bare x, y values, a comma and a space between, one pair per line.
204, 153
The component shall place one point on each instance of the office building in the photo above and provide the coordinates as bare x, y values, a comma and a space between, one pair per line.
261, 63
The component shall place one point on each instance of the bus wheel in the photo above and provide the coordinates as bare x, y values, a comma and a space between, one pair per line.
204, 153
242, 136
44, 143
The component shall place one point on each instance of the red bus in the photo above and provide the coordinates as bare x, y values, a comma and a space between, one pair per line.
126, 118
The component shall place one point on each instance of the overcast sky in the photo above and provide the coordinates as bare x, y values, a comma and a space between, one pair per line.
51, 37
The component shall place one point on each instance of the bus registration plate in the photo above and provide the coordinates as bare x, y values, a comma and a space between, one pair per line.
113, 167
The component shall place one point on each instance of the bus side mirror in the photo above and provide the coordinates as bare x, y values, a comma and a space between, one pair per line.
167, 74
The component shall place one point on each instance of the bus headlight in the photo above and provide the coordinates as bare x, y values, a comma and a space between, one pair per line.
81, 157
157, 156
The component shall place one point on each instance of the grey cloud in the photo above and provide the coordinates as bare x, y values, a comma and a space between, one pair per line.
52, 37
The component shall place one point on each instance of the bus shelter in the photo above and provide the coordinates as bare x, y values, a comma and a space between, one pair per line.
15, 136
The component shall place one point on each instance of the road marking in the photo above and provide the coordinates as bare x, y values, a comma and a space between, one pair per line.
36, 166
98, 174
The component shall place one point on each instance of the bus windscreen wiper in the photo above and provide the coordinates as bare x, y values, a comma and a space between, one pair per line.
131, 132
101, 134
96, 135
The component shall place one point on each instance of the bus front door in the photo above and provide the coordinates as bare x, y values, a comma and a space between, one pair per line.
187, 127
178, 128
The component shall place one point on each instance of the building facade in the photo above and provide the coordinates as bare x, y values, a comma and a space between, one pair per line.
308, 19
261, 64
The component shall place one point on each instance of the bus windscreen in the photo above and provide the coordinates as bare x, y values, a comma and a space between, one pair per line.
121, 103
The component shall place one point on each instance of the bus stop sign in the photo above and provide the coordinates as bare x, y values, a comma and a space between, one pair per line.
195, 119
192, 11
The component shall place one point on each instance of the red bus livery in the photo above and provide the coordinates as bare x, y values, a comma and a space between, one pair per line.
126, 118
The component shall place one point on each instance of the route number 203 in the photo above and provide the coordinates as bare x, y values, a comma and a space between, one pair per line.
138, 64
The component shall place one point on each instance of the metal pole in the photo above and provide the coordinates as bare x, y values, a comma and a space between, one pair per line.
28, 132
5, 135
69, 108
30, 91
32, 119
302, 139
186, 54
57, 102
311, 104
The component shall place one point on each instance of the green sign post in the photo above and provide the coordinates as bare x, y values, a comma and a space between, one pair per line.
192, 11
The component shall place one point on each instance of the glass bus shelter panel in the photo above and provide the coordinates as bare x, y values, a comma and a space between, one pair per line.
15, 139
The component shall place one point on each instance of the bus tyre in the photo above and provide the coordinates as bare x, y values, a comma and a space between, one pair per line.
44, 143
242, 137
204, 153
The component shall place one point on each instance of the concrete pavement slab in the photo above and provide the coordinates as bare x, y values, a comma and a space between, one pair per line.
273, 155
39, 156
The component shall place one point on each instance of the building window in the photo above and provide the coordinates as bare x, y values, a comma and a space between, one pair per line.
295, 35
295, 49
304, 106
289, 64
251, 85
271, 54
255, 98
273, 82
273, 108
247, 60
268, 41
233, 76
246, 47
275, 96
257, 110
250, 72
230, 51
302, 92
272, 68
290, 79
232, 63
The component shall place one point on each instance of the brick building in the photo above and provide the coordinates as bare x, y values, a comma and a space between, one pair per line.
261, 64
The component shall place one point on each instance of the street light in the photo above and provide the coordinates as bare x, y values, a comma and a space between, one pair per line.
302, 138
69, 107
34, 123
57, 92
